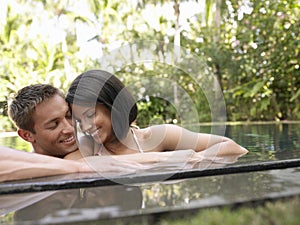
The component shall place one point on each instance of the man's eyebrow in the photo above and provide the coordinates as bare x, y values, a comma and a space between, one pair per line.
55, 119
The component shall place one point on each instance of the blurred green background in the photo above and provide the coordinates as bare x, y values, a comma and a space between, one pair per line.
251, 47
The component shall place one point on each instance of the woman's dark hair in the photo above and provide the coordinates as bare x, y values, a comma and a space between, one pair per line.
98, 86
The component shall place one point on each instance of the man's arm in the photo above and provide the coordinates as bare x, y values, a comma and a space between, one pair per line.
17, 164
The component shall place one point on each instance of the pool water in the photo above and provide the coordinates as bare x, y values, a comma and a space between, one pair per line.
15, 142
265, 140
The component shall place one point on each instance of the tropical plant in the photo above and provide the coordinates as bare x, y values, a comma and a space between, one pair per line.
251, 47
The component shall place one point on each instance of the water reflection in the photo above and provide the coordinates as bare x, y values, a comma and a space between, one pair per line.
225, 188
69, 205
267, 137
96, 204
265, 141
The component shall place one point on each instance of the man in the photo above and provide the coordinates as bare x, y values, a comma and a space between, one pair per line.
43, 119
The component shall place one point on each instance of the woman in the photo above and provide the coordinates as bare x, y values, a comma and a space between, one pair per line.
105, 110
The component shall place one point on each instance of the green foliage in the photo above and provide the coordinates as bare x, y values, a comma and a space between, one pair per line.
164, 94
5, 123
256, 60
254, 55
268, 53
155, 111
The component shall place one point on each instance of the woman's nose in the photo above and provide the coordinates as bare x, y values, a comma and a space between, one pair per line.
85, 126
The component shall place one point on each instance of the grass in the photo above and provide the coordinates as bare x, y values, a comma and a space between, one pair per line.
283, 212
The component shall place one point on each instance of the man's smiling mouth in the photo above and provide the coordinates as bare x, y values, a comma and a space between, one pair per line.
69, 139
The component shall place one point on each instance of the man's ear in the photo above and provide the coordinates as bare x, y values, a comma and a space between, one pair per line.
26, 135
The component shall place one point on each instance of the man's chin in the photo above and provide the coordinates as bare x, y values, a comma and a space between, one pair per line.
66, 150
73, 149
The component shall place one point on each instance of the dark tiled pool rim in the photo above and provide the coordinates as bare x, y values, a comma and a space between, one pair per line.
36, 185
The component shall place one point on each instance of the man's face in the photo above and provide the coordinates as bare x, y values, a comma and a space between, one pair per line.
54, 133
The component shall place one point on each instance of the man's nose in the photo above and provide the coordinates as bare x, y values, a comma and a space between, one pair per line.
67, 127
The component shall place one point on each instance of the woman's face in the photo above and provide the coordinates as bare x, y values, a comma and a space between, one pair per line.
94, 120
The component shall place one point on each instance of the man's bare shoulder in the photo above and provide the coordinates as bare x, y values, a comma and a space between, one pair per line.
76, 155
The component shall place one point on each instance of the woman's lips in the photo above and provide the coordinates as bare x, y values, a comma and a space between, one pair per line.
95, 133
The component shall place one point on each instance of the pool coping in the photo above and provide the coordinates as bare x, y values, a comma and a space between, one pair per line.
82, 181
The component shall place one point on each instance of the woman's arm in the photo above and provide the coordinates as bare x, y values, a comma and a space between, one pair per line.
158, 157
180, 159
178, 138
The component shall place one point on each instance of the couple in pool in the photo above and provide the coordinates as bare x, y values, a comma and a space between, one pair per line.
98, 104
